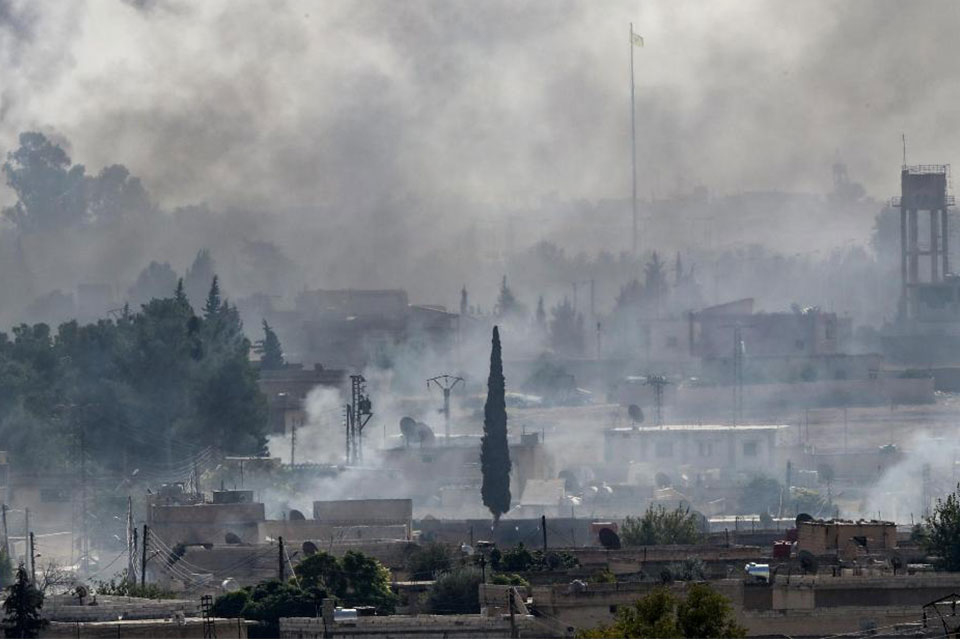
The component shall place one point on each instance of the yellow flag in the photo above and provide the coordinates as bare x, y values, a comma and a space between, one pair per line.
637, 39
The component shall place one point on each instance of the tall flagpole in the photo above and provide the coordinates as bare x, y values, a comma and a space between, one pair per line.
633, 142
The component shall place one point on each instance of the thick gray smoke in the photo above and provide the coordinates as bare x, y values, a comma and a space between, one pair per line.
419, 144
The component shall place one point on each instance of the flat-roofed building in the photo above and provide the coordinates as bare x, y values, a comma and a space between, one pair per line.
744, 448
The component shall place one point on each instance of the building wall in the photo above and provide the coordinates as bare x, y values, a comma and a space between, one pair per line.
364, 512
421, 626
822, 537
744, 449
205, 523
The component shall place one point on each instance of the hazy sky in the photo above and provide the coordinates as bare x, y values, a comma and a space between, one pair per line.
496, 101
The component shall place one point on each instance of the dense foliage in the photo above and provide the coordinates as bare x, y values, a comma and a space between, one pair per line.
22, 608
457, 591
354, 580
941, 532
428, 561
703, 613
659, 526
520, 558
143, 388
494, 449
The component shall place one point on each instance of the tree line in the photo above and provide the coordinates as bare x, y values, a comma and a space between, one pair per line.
134, 391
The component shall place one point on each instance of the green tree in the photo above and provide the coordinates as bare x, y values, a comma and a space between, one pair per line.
272, 600
703, 613
214, 304
456, 592
50, 190
659, 526
22, 608
760, 495
942, 532
507, 303
566, 329
428, 561
356, 579
494, 449
271, 353
653, 616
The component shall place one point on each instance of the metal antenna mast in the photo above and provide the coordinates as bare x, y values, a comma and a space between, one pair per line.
359, 412
658, 383
445, 383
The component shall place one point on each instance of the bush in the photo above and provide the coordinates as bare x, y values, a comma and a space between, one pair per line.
457, 591
521, 559
659, 526
429, 561
123, 587
604, 576
511, 579
232, 604
703, 613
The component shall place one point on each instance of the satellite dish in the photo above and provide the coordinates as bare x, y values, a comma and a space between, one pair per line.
296, 514
803, 517
424, 434
309, 548
81, 592
635, 413
229, 584
408, 427
609, 539
232, 538
808, 561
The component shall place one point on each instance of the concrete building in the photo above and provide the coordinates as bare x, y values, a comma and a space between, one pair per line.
287, 388
846, 539
444, 478
668, 449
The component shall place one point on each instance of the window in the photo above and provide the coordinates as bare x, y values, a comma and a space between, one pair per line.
613, 608
750, 449
664, 449
706, 449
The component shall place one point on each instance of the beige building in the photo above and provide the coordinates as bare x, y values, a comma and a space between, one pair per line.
846, 538
747, 448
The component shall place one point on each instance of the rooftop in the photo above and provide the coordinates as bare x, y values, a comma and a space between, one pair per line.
699, 428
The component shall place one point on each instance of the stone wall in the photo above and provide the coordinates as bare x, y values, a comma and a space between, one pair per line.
422, 626
364, 512
188, 628
112, 608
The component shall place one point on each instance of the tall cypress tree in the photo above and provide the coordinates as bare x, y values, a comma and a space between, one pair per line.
271, 353
494, 450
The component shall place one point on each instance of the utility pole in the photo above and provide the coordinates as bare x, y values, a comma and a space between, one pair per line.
293, 442
633, 143
281, 565
6, 535
543, 526
513, 622
359, 412
131, 544
143, 557
445, 383
84, 540
844, 429
33, 561
26, 535
737, 375
658, 383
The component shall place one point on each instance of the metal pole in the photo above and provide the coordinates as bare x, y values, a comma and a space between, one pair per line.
26, 534
131, 547
33, 564
6, 535
633, 142
543, 526
293, 442
281, 567
143, 557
